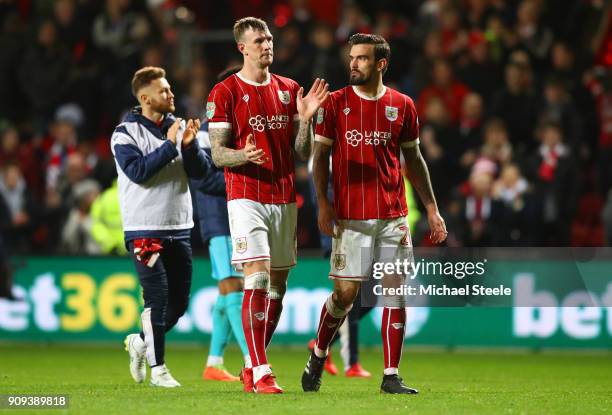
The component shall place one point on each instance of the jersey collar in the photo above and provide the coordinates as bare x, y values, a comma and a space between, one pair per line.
247, 81
376, 98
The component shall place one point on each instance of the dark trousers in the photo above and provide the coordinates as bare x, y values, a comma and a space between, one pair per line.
166, 289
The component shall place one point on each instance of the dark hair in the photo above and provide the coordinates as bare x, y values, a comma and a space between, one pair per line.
381, 47
245, 23
144, 76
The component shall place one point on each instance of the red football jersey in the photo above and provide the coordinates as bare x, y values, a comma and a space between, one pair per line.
366, 135
267, 111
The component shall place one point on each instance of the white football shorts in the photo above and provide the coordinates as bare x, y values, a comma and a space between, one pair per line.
263, 231
361, 243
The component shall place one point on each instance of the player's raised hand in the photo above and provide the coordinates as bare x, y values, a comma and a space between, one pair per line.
437, 227
191, 130
252, 153
309, 104
173, 130
327, 219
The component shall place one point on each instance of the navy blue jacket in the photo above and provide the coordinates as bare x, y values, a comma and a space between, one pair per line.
210, 204
138, 168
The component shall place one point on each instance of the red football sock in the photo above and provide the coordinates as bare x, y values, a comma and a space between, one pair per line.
392, 328
328, 327
274, 308
254, 324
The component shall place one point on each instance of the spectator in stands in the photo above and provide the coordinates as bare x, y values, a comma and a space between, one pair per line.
17, 210
475, 68
325, 61
424, 62
119, 33
480, 213
557, 107
64, 142
516, 104
496, 147
77, 232
445, 87
440, 145
518, 219
553, 172
470, 131
44, 74
533, 35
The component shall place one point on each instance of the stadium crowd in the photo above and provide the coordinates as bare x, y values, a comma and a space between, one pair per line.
514, 98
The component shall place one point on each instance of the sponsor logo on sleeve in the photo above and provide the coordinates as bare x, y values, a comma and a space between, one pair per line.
210, 109
320, 115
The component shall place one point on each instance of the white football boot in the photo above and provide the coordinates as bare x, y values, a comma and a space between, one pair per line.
136, 348
160, 376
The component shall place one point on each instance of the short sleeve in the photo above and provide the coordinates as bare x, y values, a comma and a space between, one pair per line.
294, 92
410, 130
325, 123
219, 107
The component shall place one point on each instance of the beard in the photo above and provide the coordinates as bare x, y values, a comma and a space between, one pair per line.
162, 107
358, 78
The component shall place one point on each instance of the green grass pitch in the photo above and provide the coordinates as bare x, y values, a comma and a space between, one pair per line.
97, 381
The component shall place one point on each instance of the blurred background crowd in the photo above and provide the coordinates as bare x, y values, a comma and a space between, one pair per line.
514, 97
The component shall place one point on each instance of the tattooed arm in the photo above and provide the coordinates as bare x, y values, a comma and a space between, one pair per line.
418, 174
303, 139
307, 106
223, 156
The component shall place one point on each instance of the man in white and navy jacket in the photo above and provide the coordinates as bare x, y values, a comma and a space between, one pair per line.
156, 154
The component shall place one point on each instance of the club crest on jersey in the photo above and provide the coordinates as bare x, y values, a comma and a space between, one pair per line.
320, 115
210, 110
241, 245
339, 261
245, 97
284, 97
391, 113
346, 111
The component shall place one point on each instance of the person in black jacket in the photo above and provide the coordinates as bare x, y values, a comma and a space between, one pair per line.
211, 208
